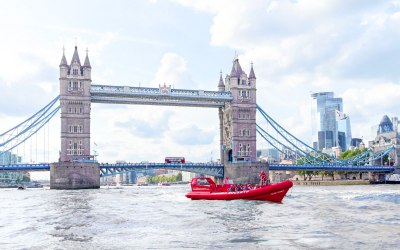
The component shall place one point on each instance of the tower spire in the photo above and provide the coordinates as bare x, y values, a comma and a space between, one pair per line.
86, 64
75, 57
63, 59
252, 75
236, 68
221, 85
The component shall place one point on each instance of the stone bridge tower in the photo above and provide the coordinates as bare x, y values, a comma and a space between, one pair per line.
238, 141
75, 82
73, 169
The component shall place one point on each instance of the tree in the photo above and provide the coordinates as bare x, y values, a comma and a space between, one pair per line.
306, 174
351, 153
179, 177
331, 174
323, 173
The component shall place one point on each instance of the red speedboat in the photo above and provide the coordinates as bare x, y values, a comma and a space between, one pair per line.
206, 189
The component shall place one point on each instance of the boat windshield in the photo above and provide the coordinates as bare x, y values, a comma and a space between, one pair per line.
202, 182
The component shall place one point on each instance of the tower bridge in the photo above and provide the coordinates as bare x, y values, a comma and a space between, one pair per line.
236, 104
235, 100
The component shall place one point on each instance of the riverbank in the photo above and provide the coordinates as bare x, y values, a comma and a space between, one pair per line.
332, 182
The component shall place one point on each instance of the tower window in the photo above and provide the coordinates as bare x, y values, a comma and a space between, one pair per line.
244, 94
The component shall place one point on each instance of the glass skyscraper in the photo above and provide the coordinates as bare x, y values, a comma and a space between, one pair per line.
330, 127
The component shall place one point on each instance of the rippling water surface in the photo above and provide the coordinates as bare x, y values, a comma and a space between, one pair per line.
317, 217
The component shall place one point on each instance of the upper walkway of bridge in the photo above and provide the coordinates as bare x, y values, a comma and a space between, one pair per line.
164, 95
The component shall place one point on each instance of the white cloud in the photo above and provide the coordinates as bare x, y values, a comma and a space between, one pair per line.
307, 46
192, 135
172, 71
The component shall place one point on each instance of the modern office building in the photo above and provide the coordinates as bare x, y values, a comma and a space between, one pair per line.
330, 126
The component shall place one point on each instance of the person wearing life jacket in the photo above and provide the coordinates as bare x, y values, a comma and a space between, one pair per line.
226, 181
263, 178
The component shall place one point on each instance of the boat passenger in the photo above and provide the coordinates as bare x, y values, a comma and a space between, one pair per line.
226, 181
263, 178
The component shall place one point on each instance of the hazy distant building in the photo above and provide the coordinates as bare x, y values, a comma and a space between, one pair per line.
271, 154
10, 177
330, 126
355, 142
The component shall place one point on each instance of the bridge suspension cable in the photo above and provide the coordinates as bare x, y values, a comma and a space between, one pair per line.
301, 147
23, 131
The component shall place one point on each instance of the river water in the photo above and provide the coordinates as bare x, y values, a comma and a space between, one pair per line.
153, 217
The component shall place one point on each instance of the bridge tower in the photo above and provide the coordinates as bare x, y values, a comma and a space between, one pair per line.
75, 81
72, 170
239, 146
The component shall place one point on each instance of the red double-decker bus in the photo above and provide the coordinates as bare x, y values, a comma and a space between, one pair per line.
174, 159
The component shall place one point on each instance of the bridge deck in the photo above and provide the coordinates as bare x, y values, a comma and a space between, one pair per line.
201, 168
107, 169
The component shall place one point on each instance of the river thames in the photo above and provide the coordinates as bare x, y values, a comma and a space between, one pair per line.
161, 217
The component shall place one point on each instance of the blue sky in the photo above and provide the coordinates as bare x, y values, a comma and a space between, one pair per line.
298, 47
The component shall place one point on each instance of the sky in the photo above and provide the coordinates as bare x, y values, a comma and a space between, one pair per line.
297, 48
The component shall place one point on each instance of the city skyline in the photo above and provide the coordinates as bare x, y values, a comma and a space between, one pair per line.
336, 47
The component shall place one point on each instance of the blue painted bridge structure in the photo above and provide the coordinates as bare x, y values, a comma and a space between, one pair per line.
108, 169
212, 169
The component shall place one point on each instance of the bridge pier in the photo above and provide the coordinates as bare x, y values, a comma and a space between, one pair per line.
245, 172
74, 175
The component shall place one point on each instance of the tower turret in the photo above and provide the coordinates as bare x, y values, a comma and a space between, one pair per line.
252, 76
221, 85
63, 66
86, 66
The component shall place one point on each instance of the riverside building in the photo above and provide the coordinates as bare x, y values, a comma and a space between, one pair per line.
387, 135
11, 177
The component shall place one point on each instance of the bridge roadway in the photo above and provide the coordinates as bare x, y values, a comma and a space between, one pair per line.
108, 169
212, 169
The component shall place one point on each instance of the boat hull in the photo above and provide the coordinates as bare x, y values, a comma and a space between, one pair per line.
273, 192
